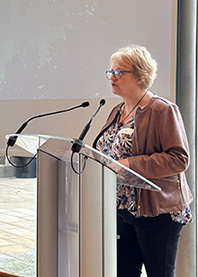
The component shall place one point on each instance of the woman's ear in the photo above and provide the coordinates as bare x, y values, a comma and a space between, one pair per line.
139, 81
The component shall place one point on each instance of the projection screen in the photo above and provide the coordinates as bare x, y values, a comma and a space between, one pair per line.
53, 55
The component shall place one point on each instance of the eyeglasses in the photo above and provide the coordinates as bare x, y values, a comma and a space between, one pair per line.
117, 73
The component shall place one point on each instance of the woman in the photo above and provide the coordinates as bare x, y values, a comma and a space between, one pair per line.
146, 133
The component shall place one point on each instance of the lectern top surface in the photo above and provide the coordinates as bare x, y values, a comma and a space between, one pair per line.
60, 147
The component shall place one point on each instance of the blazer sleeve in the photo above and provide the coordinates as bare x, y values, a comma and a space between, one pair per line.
172, 152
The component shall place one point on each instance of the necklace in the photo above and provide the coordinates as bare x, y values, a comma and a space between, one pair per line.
121, 123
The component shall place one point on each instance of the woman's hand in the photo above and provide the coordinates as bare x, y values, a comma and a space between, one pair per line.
124, 162
117, 168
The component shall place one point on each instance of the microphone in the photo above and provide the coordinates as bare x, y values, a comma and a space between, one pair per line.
77, 145
12, 140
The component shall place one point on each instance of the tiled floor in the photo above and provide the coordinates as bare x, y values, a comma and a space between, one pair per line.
17, 226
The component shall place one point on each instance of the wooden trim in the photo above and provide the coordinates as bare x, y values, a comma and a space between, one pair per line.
4, 274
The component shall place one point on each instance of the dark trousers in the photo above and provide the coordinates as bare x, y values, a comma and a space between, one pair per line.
151, 241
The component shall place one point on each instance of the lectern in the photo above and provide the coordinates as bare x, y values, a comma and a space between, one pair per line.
76, 207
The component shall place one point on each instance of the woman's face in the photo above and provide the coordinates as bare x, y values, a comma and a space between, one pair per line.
126, 85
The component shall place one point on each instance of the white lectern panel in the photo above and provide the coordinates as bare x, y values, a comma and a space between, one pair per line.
98, 218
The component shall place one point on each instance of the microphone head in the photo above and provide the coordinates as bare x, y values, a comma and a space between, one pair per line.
85, 104
102, 102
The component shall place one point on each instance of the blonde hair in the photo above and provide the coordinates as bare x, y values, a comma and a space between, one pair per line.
140, 62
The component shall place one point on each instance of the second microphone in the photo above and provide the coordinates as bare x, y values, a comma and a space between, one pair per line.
77, 145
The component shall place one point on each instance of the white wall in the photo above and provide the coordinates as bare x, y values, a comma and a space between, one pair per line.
53, 55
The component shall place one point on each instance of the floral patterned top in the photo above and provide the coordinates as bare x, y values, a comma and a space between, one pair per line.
116, 142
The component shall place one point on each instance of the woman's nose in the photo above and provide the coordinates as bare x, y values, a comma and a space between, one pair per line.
112, 78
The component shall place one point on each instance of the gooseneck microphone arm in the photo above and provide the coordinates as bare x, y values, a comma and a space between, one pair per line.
87, 126
12, 140
77, 145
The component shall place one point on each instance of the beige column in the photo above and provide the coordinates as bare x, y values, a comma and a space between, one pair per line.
186, 97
